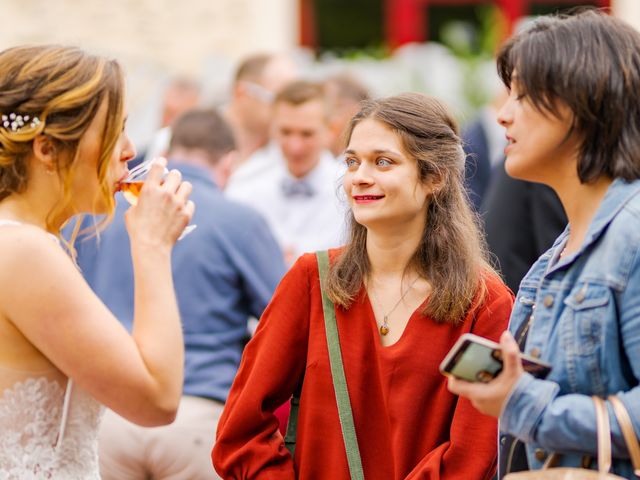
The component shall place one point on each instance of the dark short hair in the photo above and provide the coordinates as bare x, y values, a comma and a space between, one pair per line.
590, 62
203, 129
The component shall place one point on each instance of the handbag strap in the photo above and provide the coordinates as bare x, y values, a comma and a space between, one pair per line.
604, 439
604, 435
628, 432
337, 374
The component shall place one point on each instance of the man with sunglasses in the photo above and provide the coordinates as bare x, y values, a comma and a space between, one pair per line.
257, 80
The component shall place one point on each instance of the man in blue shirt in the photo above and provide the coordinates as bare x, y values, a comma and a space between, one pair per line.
224, 273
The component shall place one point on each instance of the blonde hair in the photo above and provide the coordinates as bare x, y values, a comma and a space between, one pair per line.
452, 255
64, 87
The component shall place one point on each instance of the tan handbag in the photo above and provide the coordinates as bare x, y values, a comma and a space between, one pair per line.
604, 450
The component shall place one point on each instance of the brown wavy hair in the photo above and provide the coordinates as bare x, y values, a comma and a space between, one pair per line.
452, 255
64, 87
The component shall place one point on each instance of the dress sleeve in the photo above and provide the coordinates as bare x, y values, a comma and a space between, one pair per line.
248, 443
471, 450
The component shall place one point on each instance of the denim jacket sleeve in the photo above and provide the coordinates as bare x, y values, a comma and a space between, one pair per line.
536, 411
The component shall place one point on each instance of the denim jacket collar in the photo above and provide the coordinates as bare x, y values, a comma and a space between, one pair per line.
618, 194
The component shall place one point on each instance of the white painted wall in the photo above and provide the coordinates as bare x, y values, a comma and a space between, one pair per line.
628, 10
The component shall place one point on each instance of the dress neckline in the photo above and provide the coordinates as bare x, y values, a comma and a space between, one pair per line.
416, 313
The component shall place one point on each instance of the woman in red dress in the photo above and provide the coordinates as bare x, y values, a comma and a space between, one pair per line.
411, 279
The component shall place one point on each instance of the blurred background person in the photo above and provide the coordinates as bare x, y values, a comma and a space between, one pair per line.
250, 112
256, 81
483, 140
224, 272
343, 93
298, 195
521, 221
182, 93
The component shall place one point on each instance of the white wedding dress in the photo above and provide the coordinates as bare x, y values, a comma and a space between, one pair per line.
48, 426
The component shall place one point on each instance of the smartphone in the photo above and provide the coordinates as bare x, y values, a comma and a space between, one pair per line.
477, 359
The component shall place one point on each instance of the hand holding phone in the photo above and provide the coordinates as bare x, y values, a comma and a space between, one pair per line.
477, 359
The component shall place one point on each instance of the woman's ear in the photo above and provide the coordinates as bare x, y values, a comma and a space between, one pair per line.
436, 181
44, 150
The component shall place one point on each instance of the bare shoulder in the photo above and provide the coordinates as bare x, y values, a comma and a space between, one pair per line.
29, 257
22, 243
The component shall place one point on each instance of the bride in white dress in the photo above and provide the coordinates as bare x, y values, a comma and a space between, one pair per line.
63, 354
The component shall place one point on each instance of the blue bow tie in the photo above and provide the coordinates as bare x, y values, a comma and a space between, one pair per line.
292, 188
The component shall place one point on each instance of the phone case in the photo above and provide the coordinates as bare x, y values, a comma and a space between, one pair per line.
474, 358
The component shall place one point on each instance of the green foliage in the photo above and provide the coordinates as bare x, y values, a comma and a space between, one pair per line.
350, 27
474, 44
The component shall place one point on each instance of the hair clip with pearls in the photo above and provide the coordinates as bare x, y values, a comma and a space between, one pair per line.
15, 122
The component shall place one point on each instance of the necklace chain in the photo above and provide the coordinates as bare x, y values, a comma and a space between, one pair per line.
384, 328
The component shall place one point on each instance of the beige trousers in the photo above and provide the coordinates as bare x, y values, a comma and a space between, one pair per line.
180, 451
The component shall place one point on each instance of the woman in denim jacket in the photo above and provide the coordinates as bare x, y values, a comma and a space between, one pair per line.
573, 123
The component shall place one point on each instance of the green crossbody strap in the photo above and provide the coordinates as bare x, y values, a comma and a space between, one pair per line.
292, 424
337, 374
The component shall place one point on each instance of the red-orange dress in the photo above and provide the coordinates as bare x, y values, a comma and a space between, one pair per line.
407, 423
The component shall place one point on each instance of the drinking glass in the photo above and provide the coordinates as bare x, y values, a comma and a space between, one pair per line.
131, 185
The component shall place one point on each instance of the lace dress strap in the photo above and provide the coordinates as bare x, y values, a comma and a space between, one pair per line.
65, 413
10, 222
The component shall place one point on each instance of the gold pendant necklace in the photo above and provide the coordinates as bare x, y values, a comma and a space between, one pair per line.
384, 328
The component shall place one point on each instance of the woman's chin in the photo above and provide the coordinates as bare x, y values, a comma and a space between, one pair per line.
370, 221
364, 219
515, 170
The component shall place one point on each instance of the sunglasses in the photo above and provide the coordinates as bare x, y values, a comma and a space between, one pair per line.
259, 92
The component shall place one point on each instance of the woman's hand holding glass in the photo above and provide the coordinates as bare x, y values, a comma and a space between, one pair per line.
161, 209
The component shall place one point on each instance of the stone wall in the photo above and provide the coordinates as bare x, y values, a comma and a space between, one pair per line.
155, 39
174, 34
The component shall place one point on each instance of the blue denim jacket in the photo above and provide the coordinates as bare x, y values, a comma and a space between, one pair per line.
587, 326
